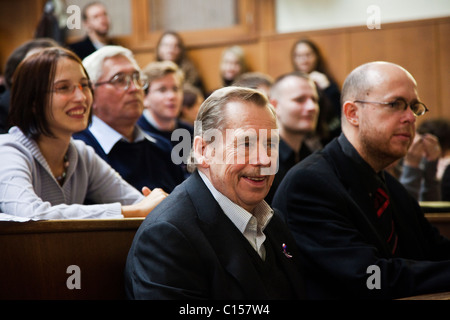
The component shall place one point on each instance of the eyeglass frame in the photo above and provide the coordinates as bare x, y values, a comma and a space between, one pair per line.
74, 86
129, 78
395, 101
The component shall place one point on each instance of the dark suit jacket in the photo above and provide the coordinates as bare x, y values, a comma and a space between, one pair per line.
187, 248
84, 47
445, 187
331, 215
286, 160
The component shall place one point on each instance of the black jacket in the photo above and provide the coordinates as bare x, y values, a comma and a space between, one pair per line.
187, 248
327, 206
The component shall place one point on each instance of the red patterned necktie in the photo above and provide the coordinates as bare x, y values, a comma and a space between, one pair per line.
384, 215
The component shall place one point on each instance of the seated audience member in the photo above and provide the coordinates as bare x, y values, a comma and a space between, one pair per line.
170, 47
420, 171
232, 65
142, 160
440, 128
11, 64
254, 80
360, 233
445, 185
294, 96
306, 57
45, 174
192, 100
419, 168
96, 22
220, 238
162, 107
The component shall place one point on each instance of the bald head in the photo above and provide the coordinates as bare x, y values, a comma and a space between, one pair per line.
361, 82
364, 78
380, 132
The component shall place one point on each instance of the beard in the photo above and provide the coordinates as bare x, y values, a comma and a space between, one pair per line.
380, 152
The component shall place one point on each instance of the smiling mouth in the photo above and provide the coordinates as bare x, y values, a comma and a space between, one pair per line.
76, 112
255, 179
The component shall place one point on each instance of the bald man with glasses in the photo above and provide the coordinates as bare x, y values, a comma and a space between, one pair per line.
141, 158
360, 232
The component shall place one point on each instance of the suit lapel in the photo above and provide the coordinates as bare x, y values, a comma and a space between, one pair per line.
358, 194
225, 238
287, 255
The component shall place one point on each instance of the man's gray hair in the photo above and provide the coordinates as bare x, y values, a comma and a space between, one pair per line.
212, 112
94, 62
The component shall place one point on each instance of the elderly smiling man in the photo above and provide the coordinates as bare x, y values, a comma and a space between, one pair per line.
215, 237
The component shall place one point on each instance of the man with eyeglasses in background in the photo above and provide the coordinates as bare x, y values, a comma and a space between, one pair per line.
140, 158
360, 233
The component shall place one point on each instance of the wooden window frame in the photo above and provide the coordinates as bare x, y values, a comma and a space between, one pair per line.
253, 18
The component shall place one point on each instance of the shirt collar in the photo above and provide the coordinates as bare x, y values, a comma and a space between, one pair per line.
148, 116
238, 215
107, 137
373, 179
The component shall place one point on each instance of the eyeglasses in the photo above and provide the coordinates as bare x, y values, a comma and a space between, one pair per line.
68, 88
418, 108
122, 81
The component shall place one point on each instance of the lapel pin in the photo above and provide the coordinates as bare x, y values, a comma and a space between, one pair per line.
287, 254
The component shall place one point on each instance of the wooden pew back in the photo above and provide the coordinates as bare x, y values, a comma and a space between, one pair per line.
438, 213
36, 256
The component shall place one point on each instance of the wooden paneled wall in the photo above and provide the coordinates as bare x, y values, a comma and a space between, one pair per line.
422, 47
18, 21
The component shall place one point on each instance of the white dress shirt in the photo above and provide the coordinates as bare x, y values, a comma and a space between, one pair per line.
107, 137
250, 225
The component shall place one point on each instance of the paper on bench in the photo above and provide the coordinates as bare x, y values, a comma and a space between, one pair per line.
8, 217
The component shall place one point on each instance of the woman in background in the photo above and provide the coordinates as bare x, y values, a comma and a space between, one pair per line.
232, 65
170, 47
45, 174
306, 57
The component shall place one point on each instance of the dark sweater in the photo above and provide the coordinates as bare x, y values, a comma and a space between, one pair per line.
143, 163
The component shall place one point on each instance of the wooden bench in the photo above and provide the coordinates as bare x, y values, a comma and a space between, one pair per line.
438, 213
35, 258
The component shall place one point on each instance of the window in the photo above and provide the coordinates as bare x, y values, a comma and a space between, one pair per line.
200, 22
138, 24
192, 15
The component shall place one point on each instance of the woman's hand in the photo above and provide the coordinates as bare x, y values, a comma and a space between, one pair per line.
146, 205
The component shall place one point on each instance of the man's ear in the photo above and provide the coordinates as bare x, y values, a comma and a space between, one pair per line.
351, 113
199, 147
273, 102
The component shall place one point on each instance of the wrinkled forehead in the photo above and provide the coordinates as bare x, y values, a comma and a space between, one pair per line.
248, 114
119, 63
